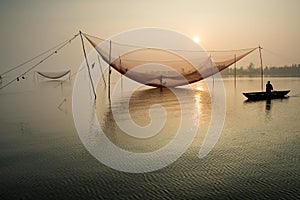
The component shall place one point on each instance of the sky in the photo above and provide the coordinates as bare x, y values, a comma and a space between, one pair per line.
32, 26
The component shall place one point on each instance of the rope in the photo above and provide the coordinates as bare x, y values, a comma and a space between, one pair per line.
31, 59
41, 61
137, 46
85, 34
280, 55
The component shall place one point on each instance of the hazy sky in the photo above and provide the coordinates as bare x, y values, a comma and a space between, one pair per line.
31, 26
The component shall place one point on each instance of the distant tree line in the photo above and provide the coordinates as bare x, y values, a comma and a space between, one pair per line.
251, 70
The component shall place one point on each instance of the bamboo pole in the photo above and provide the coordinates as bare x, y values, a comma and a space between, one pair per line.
87, 64
109, 69
261, 69
234, 70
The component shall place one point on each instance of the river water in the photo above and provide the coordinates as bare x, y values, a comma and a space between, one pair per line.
256, 154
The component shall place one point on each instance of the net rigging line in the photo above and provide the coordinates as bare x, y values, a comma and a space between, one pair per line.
31, 59
57, 48
275, 54
184, 50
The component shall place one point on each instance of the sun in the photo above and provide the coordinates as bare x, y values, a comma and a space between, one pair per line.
196, 39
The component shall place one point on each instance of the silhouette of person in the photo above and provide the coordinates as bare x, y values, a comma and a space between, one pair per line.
269, 87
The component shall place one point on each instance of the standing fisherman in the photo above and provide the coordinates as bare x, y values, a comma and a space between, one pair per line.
269, 87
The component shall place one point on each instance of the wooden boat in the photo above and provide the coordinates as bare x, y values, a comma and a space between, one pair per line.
254, 96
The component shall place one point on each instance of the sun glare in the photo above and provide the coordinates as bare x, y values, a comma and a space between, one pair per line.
196, 39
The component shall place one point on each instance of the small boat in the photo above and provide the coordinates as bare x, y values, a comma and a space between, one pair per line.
254, 96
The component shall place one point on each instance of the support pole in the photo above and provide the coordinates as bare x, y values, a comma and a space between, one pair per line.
121, 74
261, 69
122, 82
101, 70
87, 64
109, 69
234, 70
161, 83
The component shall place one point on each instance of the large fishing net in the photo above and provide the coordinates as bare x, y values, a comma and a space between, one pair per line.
163, 66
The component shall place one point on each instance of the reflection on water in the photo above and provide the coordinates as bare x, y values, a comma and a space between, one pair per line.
140, 104
268, 109
256, 157
268, 104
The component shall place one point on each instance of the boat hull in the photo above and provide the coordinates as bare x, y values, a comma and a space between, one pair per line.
254, 96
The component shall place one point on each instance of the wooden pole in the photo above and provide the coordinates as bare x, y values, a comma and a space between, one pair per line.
87, 64
261, 69
234, 70
101, 70
121, 74
109, 69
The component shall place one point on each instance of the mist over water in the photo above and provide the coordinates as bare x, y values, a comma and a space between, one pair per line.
257, 155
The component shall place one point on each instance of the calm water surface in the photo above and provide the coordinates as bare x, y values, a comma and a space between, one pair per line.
256, 156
